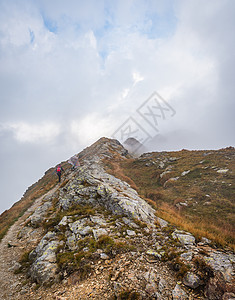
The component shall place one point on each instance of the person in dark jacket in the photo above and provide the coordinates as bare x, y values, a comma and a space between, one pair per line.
59, 169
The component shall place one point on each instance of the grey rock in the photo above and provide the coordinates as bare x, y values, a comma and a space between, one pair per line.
222, 171
191, 280
185, 238
164, 173
39, 214
129, 222
65, 220
98, 220
71, 241
99, 232
162, 222
178, 293
130, 232
187, 255
104, 256
185, 173
205, 240
228, 296
154, 254
221, 262
79, 228
44, 268
162, 284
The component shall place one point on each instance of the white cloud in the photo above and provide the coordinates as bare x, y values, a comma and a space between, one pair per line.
33, 133
76, 71
88, 129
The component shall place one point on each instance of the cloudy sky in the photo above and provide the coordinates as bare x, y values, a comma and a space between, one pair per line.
73, 71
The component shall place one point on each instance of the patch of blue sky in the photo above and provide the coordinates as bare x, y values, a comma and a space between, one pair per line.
100, 34
160, 25
49, 24
32, 36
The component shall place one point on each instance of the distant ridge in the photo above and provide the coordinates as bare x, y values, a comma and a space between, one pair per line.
134, 147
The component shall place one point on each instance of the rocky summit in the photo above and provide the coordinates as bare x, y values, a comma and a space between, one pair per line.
93, 236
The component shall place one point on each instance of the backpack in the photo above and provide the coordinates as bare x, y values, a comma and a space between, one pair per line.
58, 169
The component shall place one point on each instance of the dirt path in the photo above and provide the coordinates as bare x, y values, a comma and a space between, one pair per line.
11, 249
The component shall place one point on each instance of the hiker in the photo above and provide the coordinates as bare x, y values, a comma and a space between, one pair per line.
59, 169
74, 162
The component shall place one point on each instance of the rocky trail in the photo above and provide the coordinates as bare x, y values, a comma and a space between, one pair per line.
11, 249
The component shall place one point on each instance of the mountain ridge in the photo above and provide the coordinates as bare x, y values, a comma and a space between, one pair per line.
94, 226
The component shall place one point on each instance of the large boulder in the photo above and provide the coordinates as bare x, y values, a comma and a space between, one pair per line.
185, 238
93, 185
39, 214
44, 268
192, 280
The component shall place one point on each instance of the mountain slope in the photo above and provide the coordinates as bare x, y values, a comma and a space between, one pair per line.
94, 237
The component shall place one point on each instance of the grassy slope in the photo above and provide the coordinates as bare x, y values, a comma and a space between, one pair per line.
47, 182
209, 195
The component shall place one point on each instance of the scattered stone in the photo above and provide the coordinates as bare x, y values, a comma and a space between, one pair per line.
104, 256
192, 280
205, 241
99, 232
98, 220
185, 238
162, 284
39, 214
71, 241
178, 293
130, 223
131, 232
79, 228
154, 254
162, 222
65, 220
221, 262
228, 296
222, 171
187, 255
185, 173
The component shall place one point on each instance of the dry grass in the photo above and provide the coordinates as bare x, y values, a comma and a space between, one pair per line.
208, 195
222, 236
38, 189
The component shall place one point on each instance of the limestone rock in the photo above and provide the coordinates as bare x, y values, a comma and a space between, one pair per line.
79, 227
130, 223
39, 214
98, 220
185, 238
185, 173
154, 254
43, 269
222, 171
192, 280
162, 222
99, 232
221, 262
187, 255
228, 296
131, 232
178, 293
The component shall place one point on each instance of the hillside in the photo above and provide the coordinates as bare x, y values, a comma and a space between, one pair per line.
192, 189
94, 237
